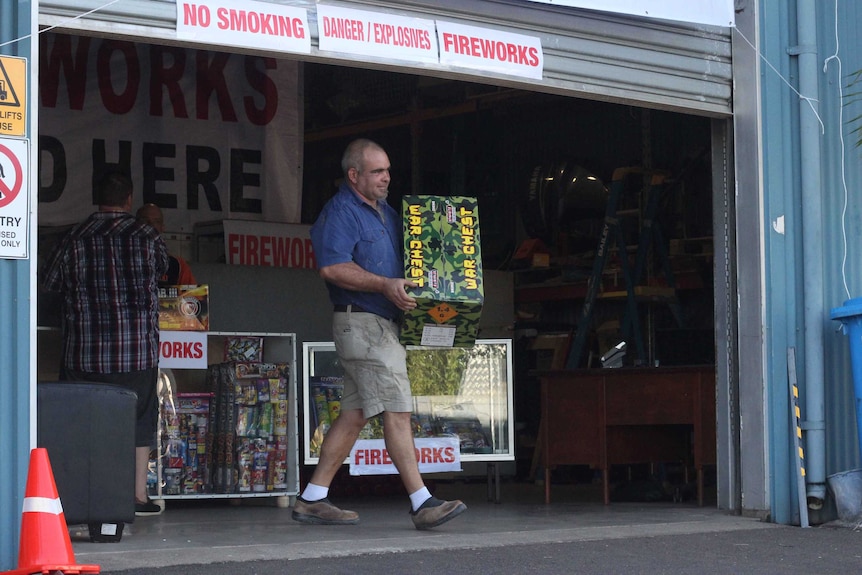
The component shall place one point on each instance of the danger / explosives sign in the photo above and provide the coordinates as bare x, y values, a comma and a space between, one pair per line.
13, 96
14, 198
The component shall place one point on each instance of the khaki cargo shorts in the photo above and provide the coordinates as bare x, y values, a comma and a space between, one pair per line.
374, 362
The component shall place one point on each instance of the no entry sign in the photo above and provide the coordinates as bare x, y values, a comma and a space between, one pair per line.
14, 198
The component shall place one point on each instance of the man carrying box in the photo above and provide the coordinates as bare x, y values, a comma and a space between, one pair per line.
358, 243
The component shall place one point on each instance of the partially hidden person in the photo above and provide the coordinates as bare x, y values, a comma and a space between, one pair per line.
179, 272
107, 269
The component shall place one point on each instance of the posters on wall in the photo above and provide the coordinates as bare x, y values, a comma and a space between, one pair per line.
205, 135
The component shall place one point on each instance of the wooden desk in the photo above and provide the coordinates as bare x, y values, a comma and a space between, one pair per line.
601, 417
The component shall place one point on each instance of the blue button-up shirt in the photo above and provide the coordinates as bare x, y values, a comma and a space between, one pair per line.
350, 230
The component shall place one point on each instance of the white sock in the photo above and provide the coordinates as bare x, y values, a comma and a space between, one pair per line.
417, 498
315, 492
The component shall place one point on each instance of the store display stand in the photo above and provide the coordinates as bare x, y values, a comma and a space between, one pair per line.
277, 348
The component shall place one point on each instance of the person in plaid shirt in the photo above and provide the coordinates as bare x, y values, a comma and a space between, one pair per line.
107, 269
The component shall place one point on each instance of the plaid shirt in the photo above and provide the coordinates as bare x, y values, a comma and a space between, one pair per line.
107, 268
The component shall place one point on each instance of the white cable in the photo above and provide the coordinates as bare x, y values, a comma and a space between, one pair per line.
823, 131
841, 139
63, 23
783, 79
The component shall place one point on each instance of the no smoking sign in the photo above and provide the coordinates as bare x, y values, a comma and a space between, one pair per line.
14, 198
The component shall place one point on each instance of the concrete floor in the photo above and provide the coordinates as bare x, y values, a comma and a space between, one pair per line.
198, 532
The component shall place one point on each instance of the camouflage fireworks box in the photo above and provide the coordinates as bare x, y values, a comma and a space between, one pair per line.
442, 255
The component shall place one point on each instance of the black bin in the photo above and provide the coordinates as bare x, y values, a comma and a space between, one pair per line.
88, 430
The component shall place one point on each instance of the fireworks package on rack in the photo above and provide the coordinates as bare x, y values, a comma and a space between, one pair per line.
458, 418
326, 394
251, 429
185, 458
221, 378
323, 391
243, 348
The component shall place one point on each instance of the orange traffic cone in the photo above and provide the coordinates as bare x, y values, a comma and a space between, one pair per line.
45, 543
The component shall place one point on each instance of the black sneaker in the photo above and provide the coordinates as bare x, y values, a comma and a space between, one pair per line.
146, 509
436, 512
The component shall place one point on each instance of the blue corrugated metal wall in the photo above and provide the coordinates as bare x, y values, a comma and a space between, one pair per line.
15, 22
14, 403
782, 250
782, 197
840, 417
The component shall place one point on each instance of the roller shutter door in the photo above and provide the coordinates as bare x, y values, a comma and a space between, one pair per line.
588, 54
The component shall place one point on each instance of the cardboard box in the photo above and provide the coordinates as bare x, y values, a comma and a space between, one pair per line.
442, 254
243, 348
184, 308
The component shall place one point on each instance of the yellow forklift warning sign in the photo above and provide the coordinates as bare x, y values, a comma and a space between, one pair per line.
13, 96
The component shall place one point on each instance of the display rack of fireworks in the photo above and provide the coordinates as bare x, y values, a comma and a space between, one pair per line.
186, 457
432, 417
251, 421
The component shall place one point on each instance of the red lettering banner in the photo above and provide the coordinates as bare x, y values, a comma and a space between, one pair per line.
268, 244
183, 349
204, 135
434, 454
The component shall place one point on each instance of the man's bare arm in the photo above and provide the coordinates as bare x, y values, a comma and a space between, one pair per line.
350, 276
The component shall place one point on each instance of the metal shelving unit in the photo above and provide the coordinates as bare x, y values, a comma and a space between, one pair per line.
277, 348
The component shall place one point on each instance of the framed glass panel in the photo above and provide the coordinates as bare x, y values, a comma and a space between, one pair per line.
465, 392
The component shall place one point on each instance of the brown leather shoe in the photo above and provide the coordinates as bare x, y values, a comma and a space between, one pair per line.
322, 513
436, 512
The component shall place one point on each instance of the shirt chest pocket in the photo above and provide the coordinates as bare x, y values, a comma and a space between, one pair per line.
372, 250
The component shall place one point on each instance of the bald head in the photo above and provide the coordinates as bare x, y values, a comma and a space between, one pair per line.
151, 214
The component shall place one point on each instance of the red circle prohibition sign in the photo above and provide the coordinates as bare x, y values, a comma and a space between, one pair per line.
8, 194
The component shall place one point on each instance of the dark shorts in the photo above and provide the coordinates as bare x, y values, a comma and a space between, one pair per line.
143, 383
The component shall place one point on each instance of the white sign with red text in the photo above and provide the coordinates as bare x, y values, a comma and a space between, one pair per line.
182, 349
268, 244
491, 50
244, 23
434, 454
376, 34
